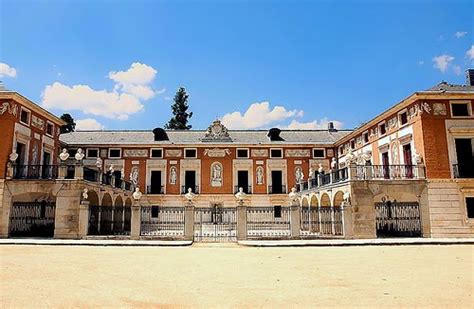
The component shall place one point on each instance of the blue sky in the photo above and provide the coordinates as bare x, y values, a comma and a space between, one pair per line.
118, 63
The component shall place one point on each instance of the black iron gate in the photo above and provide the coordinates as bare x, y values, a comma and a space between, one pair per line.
398, 219
32, 219
108, 220
215, 224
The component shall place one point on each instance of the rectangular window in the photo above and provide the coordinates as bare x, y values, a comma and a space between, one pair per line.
382, 129
352, 144
157, 153
25, 116
460, 109
242, 153
318, 153
115, 153
190, 153
92, 153
366, 137
154, 211
276, 153
470, 207
277, 211
403, 118
49, 129
341, 150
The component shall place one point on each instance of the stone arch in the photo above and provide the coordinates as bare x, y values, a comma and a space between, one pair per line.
304, 201
314, 201
118, 201
338, 198
106, 200
93, 198
128, 202
325, 200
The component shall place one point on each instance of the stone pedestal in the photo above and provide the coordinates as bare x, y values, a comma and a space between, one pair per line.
241, 222
347, 220
135, 221
62, 171
295, 221
83, 218
189, 222
78, 171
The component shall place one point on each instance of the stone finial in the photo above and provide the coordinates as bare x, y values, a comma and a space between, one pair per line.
346, 197
13, 156
79, 155
111, 169
85, 194
98, 163
333, 164
137, 195
321, 168
64, 155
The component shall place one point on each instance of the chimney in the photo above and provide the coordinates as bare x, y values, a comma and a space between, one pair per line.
470, 77
331, 127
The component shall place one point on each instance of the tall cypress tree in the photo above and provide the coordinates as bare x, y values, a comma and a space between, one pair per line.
180, 118
70, 125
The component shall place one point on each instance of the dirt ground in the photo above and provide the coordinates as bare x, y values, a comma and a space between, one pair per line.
233, 276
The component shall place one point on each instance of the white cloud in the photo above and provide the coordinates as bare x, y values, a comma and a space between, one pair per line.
457, 69
88, 124
6, 70
442, 62
258, 115
460, 34
135, 80
322, 124
132, 86
96, 102
470, 52
421, 62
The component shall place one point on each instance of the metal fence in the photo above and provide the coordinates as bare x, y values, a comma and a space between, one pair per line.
216, 224
165, 222
322, 222
268, 222
32, 219
108, 220
398, 219
35, 171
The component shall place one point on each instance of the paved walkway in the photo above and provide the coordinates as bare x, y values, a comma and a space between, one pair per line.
250, 243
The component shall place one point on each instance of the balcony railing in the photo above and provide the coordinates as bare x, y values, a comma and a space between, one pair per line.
184, 189
91, 174
35, 171
277, 189
246, 189
364, 172
463, 171
155, 190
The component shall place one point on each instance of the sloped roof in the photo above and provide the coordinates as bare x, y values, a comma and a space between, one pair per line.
183, 137
444, 86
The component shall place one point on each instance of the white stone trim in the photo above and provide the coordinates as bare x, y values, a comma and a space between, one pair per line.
469, 108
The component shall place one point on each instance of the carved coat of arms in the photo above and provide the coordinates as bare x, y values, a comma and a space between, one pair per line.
217, 131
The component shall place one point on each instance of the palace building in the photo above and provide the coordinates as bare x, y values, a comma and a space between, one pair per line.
408, 172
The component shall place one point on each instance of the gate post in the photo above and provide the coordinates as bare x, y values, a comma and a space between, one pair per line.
135, 219
83, 218
347, 223
295, 221
189, 222
241, 222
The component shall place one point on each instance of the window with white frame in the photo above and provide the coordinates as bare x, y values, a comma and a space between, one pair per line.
276, 153
25, 116
382, 128
242, 153
461, 108
49, 128
115, 152
403, 118
156, 153
92, 152
190, 153
319, 153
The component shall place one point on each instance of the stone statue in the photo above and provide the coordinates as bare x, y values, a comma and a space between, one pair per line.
293, 195
240, 196
350, 157
333, 164
13, 156
190, 195
299, 174
64, 155
79, 155
311, 173
134, 176
111, 169
321, 168
122, 173
346, 197
173, 175
85, 194
216, 177
259, 175
418, 157
98, 163
35, 154
137, 195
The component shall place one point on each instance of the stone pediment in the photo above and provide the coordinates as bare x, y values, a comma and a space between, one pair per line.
217, 132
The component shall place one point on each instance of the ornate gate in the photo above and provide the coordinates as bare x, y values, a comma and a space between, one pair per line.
215, 224
32, 219
398, 219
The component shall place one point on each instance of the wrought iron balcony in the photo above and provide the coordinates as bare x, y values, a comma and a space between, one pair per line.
184, 189
463, 170
247, 189
277, 189
155, 190
35, 171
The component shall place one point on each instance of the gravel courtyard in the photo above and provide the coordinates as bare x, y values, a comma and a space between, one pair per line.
233, 276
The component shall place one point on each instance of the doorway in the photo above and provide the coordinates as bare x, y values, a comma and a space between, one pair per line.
277, 182
155, 183
190, 182
243, 181
465, 158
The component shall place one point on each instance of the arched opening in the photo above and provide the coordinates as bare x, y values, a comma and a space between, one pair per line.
304, 202
314, 201
93, 198
128, 202
325, 200
338, 198
106, 200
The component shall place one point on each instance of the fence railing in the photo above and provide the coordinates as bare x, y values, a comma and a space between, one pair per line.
166, 222
277, 189
155, 189
322, 222
91, 174
108, 220
35, 171
184, 189
268, 222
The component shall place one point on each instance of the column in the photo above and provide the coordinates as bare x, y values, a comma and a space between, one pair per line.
83, 218
135, 220
295, 221
189, 222
347, 223
78, 171
241, 222
62, 171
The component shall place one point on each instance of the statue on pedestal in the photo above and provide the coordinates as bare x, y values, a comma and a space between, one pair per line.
79, 155
240, 196
64, 155
137, 195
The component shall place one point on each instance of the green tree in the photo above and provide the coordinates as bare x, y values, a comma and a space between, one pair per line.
70, 125
180, 118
